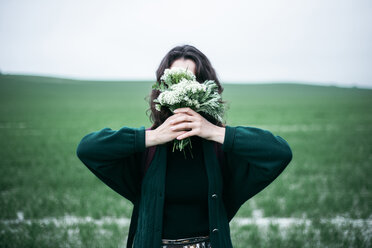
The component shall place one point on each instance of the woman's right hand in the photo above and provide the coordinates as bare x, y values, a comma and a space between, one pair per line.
163, 133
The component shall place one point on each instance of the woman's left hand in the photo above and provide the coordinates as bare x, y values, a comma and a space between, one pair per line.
196, 124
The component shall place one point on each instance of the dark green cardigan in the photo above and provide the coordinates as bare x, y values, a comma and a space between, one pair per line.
254, 158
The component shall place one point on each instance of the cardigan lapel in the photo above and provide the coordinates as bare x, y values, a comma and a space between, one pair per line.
148, 233
219, 228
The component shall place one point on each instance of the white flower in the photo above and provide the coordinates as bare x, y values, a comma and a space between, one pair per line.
168, 98
175, 74
188, 86
158, 107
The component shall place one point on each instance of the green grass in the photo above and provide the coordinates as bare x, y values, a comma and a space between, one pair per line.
43, 119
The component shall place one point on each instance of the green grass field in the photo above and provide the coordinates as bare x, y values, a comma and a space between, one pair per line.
50, 199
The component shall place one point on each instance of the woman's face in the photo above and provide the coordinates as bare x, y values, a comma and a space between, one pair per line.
185, 63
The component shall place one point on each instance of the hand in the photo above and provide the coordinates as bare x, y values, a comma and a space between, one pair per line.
197, 125
163, 133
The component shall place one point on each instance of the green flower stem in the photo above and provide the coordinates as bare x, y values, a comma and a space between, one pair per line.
181, 145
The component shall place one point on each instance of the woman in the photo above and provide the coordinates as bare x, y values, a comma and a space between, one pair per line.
184, 202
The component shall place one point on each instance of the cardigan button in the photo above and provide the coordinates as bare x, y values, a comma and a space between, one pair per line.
215, 230
214, 196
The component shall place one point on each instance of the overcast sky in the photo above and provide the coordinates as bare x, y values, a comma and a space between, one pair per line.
318, 41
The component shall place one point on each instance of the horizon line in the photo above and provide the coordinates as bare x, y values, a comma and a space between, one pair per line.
279, 81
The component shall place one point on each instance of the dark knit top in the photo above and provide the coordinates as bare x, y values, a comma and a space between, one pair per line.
186, 193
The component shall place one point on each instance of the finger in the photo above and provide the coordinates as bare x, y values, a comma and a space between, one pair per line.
186, 135
179, 134
182, 118
186, 110
182, 126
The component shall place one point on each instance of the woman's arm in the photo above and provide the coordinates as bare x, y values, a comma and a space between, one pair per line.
114, 157
104, 146
254, 158
258, 147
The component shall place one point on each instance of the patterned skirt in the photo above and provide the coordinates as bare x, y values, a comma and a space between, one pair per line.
194, 242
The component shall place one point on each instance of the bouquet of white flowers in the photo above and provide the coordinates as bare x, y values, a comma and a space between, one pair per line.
179, 89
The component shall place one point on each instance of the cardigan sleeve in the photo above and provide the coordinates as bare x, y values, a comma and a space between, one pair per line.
114, 156
254, 157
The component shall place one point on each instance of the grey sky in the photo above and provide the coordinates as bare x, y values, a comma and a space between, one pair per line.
320, 41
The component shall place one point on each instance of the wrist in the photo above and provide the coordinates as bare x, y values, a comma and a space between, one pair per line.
150, 138
219, 134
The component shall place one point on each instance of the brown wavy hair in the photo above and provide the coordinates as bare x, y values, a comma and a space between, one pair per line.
203, 71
